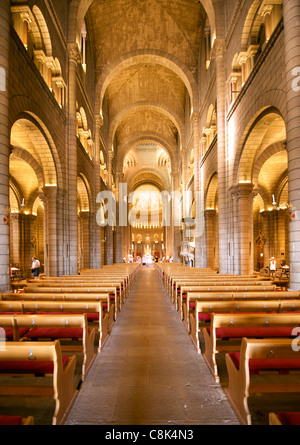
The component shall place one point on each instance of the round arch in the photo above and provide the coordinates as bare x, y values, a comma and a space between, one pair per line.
79, 8
150, 57
167, 113
138, 138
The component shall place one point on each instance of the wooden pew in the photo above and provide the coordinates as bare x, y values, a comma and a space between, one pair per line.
59, 327
205, 309
92, 309
107, 306
15, 420
188, 306
259, 356
235, 326
40, 358
284, 418
201, 274
219, 289
112, 291
229, 281
85, 285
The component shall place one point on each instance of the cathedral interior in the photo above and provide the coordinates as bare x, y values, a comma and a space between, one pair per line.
150, 132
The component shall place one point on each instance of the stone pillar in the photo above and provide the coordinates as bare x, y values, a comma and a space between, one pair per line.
174, 221
185, 203
266, 233
244, 227
15, 239
281, 236
219, 50
50, 234
84, 218
210, 219
197, 189
109, 231
119, 228
266, 13
28, 246
235, 268
291, 15
61, 203
71, 161
242, 60
4, 144
96, 229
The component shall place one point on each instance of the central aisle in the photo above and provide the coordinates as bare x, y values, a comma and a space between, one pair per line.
149, 372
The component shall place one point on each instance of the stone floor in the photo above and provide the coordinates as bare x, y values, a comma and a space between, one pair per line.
149, 372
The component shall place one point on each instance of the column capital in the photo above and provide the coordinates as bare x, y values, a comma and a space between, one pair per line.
98, 120
218, 49
210, 213
242, 58
74, 53
195, 117
84, 214
265, 9
244, 189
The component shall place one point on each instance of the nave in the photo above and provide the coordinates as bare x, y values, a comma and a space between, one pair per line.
149, 372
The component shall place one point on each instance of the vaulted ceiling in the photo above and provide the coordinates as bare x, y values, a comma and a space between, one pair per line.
146, 55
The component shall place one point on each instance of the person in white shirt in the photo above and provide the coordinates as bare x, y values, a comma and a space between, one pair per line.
35, 267
272, 267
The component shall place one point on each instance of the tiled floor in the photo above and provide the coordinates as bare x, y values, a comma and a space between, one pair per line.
149, 372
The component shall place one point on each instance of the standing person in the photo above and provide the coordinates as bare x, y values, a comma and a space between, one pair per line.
272, 267
35, 267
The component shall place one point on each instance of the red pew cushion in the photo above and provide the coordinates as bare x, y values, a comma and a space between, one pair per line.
253, 332
54, 333
258, 364
289, 418
10, 420
29, 366
93, 316
202, 316
9, 332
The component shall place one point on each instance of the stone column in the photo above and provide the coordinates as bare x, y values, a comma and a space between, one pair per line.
97, 262
74, 58
197, 190
210, 219
291, 16
266, 233
219, 50
234, 231
109, 231
15, 238
50, 233
61, 203
175, 221
119, 228
28, 246
4, 144
84, 218
244, 227
266, 13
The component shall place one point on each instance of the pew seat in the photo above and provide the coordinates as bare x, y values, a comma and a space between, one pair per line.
235, 326
15, 420
204, 310
260, 356
38, 359
192, 298
284, 418
93, 310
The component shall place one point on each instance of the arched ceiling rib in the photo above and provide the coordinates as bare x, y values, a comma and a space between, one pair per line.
146, 62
